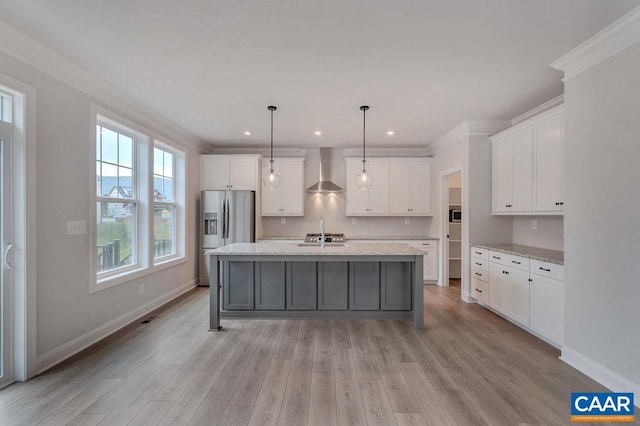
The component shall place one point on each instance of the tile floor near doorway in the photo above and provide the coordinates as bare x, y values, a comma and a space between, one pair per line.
470, 367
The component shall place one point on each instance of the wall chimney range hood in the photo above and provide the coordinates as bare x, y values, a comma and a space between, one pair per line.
324, 186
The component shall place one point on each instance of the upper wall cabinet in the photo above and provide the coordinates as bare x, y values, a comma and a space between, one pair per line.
288, 198
228, 172
401, 187
527, 166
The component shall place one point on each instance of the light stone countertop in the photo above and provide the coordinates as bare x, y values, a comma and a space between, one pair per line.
291, 249
412, 237
537, 253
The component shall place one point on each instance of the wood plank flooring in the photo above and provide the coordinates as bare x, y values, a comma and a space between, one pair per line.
470, 367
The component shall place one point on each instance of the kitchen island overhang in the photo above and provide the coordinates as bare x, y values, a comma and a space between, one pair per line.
282, 280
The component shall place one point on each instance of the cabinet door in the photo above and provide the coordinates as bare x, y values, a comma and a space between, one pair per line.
430, 264
518, 281
269, 285
395, 287
548, 164
498, 288
364, 286
292, 185
302, 281
400, 189
420, 188
357, 199
333, 283
501, 174
272, 198
547, 308
237, 279
242, 174
522, 196
214, 173
379, 191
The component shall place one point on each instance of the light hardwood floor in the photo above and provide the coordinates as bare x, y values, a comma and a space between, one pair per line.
469, 367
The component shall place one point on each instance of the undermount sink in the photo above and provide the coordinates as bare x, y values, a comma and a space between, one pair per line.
325, 244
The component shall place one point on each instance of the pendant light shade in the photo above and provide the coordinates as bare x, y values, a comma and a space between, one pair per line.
270, 179
364, 178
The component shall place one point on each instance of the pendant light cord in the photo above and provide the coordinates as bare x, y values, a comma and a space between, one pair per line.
271, 108
364, 109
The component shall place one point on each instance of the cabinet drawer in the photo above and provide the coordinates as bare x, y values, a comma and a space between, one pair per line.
480, 253
480, 264
550, 270
480, 290
505, 259
479, 273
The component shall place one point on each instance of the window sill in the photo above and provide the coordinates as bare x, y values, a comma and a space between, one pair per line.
168, 263
134, 274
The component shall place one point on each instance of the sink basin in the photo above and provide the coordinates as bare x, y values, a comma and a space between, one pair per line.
325, 244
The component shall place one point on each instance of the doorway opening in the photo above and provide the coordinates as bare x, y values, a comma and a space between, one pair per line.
452, 227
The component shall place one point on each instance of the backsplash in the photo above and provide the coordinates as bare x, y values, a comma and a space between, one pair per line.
549, 233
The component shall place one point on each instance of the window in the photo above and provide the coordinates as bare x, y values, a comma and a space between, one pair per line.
140, 192
117, 199
164, 203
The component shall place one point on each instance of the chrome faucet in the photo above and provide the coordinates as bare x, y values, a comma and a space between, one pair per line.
322, 232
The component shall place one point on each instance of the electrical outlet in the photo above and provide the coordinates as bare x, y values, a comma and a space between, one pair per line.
141, 288
283, 221
76, 227
534, 224
407, 221
354, 221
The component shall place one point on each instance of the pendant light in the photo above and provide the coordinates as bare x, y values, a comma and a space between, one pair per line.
364, 179
271, 179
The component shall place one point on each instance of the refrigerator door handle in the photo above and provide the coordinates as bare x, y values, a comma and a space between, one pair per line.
227, 217
224, 219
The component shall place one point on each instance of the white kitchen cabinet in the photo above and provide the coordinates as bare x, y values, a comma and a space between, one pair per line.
430, 259
509, 292
410, 187
547, 308
498, 288
375, 200
228, 172
548, 160
288, 198
527, 166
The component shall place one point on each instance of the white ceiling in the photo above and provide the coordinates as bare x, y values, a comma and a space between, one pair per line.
423, 66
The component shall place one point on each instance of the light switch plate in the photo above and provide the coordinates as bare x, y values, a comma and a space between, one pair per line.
76, 227
407, 221
534, 224
354, 221
283, 221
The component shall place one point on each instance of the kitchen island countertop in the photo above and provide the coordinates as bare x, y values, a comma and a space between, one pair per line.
293, 249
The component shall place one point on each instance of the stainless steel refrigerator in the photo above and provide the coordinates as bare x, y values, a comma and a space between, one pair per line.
225, 217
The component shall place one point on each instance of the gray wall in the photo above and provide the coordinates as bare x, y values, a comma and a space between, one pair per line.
333, 208
65, 176
602, 229
549, 233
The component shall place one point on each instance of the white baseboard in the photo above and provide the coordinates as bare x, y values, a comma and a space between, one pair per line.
59, 354
600, 373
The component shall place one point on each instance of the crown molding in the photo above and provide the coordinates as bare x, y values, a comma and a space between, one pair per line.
613, 39
558, 100
373, 152
263, 151
466, 129
30, 52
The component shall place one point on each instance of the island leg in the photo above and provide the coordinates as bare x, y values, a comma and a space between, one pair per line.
214, 294
418, 301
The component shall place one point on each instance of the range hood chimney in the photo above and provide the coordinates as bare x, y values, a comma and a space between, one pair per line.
324, 186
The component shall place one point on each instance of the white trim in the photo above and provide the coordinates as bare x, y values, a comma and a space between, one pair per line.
443, 274
529, 122
27, 50
264, 152
552, 103
600, 373
613, 39
463, 130
59, 354
388, 152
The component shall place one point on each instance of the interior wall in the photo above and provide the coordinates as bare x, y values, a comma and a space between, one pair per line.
601, 227
333, 208
66, 310
549, 232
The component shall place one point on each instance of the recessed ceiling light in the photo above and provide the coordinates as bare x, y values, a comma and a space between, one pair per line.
317, 133
391, 133
247, 133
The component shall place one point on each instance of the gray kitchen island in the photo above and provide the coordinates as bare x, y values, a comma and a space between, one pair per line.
287, 280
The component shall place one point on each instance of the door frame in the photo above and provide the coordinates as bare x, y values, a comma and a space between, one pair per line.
23, 255
444, 223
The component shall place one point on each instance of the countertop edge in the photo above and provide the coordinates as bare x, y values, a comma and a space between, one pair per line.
542, 258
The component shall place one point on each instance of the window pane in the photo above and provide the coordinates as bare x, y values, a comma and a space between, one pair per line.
109, 180
157, 162
116, 235
168, 190
168, 164
125, 153
164, 230
125, 183
109, 140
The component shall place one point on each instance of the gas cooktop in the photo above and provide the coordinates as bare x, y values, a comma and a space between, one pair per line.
328, 238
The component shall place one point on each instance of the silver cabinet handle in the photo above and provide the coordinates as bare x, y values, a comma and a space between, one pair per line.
5, 257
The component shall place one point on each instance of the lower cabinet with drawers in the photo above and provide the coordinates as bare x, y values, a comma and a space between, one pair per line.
527, 291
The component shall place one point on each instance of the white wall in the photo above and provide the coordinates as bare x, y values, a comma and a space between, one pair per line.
333, 208
67, 313
549, 233
602, 229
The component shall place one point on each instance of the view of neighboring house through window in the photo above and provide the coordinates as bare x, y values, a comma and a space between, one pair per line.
116, 199
164, 203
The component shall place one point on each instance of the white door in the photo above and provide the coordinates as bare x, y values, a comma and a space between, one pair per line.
498, 288
379, 191
522, 171
272, 198
6, 281
242, 174
399, 187
502, 174
548, 161
430, 265
420, 188
214, 173
547, 308
518, 295
292, 185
